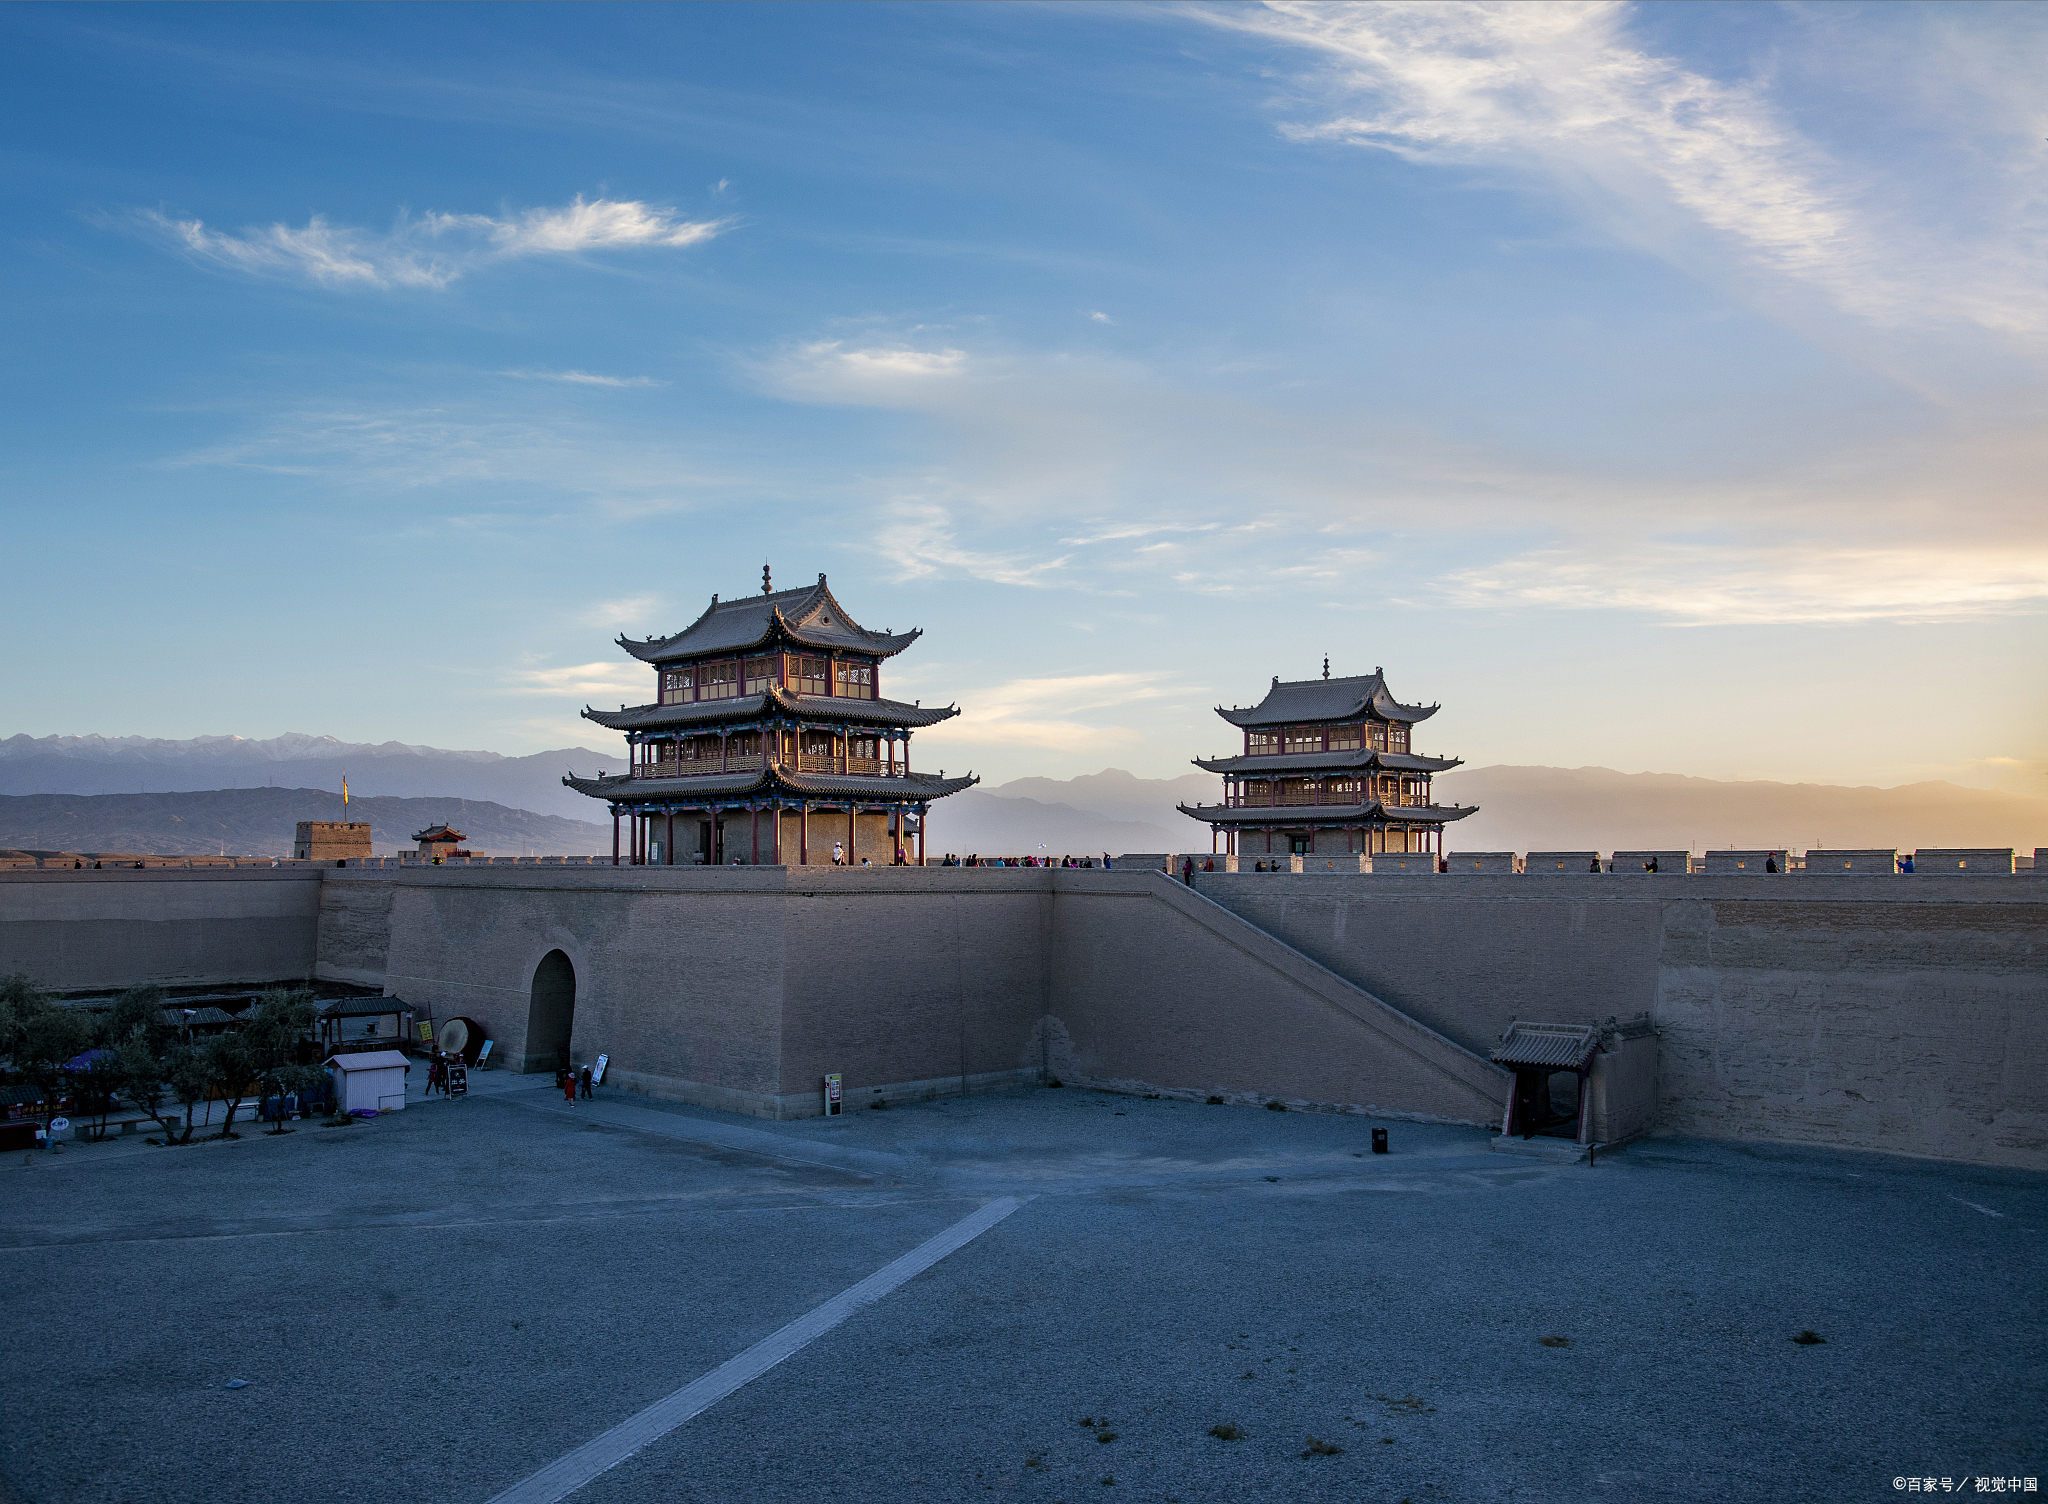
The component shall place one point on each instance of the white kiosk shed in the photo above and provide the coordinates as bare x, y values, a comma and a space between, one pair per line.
372, 1081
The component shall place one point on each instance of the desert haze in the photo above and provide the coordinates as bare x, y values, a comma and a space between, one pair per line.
513, 806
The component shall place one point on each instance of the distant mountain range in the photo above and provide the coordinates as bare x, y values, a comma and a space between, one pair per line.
260, 822
140, 764
513, 805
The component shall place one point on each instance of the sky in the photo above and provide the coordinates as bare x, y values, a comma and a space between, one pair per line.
1654, 387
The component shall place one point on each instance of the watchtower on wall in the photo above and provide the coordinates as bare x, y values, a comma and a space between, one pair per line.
769, 741
331, 840
1328, 766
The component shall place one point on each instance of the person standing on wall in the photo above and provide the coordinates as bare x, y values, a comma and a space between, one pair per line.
583, 1081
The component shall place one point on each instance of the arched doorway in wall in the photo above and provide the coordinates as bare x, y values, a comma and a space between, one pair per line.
551, 1013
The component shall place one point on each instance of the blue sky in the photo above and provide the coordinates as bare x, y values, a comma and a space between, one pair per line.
1655, 387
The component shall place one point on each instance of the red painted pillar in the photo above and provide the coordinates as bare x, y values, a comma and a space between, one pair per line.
754, 816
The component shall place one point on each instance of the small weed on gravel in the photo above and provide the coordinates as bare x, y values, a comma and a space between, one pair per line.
1226, 1432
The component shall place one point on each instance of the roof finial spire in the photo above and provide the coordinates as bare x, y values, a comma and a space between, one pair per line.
1326, 665
766, 587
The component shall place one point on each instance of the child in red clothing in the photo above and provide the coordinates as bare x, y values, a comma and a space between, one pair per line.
569, 1085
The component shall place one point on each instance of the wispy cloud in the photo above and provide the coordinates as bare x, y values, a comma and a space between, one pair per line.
1769, 584
1652, 148
583, 378
596, 680
429, 250
921, 539
1049, 712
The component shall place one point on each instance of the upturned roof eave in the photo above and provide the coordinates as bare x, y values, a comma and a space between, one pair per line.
1280, 815
771, 782
1281, 765
744, 709
775, 621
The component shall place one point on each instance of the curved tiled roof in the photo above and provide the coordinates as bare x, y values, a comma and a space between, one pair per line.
1283, 766
1299, 701
1284, 816
776, 702
767, 783
810, 616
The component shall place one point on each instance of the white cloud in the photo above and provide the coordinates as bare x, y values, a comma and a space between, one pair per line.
431, 250
829, 371
597, 681
1656, 150
1102, 318
920, 538
1045, 713
583, 378
1772, 583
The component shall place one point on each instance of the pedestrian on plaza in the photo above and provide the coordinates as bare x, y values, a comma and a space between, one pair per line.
569, 1085
583, 1080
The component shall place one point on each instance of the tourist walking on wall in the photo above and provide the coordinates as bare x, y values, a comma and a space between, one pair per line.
569, 1085
1187, 870
838, 855
583, 1080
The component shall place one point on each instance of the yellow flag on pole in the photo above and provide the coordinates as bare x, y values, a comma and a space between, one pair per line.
344, 790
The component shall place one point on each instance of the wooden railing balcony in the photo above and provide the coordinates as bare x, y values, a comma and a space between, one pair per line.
870, 766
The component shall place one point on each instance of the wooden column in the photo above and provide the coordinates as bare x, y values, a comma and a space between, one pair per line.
852, 833
668, 842
615, 838
755, 817
803, 833
923, 816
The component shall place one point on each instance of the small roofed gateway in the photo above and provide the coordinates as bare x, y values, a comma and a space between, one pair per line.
372, 1082
1327, 767
1577, 1087
769, 741
438, 841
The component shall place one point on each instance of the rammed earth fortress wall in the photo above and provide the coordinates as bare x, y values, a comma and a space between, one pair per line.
1906, 1014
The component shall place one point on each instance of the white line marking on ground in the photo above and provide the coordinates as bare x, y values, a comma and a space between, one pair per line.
564, 1476
1973, 1206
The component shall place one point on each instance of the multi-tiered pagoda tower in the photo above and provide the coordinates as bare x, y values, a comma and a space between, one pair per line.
1327, 767
769, 742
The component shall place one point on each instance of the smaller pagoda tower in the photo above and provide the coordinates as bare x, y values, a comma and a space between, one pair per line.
1327, 767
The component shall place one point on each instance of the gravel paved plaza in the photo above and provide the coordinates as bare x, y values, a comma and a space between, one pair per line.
437, 1304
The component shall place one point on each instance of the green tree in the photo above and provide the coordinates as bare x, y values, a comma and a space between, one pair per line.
282, 1019
231, 1070
146, 1070
189, 1076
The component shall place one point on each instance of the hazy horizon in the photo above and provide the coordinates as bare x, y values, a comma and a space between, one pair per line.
1656, 387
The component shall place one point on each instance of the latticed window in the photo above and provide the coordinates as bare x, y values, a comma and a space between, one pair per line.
1397, 738
760, 675
1343, 791
1344, 738
718, 681
678, 686
817, 744
807, 677
1379, 735
1304, 739
864, 746
855, 681
1261, 743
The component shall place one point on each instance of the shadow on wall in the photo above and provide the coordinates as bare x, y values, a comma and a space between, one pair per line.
551, 1014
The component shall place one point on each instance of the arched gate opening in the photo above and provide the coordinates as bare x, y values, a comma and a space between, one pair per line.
551, 1014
